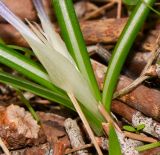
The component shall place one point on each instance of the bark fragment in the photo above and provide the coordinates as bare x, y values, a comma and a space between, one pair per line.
18, 128
137, 118
93, 32
75, 135
151, 127
25, 9
128, 145
140, 98
22, 8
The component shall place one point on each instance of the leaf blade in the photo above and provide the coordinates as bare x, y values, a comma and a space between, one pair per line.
34, 88
74, 41
121, 50
114, 145
129, 128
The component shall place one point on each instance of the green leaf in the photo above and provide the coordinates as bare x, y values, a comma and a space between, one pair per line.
34, 88
28, 105
73, 38
114, 145
140, 127
148, 146
129, 128
27, 51
122, 48
151, 8
1, 41
131, 2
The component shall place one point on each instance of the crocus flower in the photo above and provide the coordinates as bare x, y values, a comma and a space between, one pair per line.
54, 56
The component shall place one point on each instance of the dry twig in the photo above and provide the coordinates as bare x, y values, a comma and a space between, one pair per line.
139, 137
108, 117
85, 122
75, 135
143, 75
99, 11
79, 148
3, 146
119, 8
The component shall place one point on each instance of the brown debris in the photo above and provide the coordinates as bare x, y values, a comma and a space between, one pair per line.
136, 118
136, 62
54, 129
123, 110
25, 9
127, 145
149, 41
93, 32
22, 8
39, 150
53, 126
58, 148
140, 98
75, 135
18, 128
140, 137
105, 31
98, 11
98, 31
11, 36
154, 151
102, 31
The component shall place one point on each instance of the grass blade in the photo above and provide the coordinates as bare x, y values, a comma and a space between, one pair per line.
74, 41
28, 105
148, 146
85, 122
122, 49
27, 51
35, 89
114, 145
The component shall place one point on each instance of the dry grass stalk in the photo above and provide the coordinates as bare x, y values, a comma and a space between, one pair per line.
4, 147
85, 122
139, 137
99, 11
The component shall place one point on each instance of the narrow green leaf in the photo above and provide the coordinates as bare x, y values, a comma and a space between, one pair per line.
151, 8
74, 41
28, 105
114, 145
140, 127
34, 88
27, 51
122, 49
2, 41
148, 146
130, 2
129, 128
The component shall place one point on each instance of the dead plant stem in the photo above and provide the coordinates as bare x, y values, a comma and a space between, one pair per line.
4, 147
85, 122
